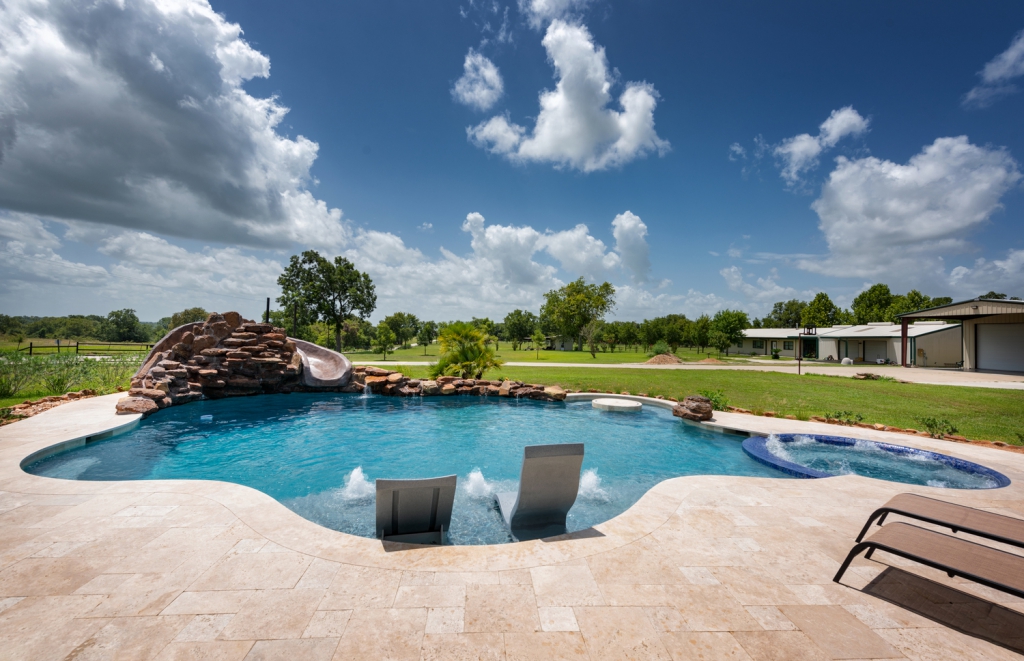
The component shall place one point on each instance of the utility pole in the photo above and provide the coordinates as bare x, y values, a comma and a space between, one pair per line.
266, 318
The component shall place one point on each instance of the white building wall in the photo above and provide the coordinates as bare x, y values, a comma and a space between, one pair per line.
939, 349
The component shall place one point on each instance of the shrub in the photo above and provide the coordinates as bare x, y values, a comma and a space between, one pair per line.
717, 397
937, 427
116, 371
845, 417
660, 347
61, 373
464, 353
15, 373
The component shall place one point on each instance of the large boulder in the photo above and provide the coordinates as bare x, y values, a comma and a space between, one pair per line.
129, 405
695, 408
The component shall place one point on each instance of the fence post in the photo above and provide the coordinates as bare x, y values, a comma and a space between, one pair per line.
76, 347
30, 348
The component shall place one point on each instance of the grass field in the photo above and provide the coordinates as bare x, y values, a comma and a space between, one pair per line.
506, 353
979, 413
46, 346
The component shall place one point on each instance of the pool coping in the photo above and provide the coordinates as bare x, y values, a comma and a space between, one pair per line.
92, 419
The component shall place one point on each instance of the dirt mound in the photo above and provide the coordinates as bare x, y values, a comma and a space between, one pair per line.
664, 359
712, 361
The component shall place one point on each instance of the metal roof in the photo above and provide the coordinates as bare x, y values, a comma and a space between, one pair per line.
969, 309
860, 332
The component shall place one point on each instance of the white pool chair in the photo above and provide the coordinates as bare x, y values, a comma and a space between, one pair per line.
548, 484
415, 511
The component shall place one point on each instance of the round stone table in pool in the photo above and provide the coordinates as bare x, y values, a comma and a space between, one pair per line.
617, 405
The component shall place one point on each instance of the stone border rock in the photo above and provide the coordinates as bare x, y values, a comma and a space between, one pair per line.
388, 382
29, 408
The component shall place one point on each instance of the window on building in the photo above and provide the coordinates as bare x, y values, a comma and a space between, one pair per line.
787, 345
759, 344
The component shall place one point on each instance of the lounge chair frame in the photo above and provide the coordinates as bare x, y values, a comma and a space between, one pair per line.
415, 511
904, 505
873, 543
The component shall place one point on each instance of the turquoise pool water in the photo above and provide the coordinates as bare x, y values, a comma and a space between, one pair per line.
319, 454
834, 455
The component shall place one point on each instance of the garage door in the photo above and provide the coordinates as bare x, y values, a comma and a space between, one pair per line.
875, 350
1001, 347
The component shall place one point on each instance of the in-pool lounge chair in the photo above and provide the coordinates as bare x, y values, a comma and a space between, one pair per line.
955, 556
989, 525
415, 511
548, 484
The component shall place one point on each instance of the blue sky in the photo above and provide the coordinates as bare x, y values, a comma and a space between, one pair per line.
718, 155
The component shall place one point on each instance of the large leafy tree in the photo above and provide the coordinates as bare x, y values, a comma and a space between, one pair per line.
577, 304
519, 326
426, 334
321, 290
872, 304
123, 326
700, 332
187, 316
731, 324
404, 325
384, 340
785, 314
822, 312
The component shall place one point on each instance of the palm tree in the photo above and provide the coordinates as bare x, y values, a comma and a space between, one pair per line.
464, 352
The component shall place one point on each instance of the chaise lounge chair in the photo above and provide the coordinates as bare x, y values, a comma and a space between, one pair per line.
957, 557
415, 511
992, 526
548, 484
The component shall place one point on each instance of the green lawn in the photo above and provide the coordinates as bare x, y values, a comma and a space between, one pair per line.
979, 413
506, 353
41, 346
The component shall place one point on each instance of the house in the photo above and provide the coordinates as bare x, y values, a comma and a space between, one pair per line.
931, 343
993, 332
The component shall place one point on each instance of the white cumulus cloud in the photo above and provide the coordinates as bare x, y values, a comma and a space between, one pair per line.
480, 86
882, 219
800, 153
539, 12
576, 128
631, 243
133, 114
997, 75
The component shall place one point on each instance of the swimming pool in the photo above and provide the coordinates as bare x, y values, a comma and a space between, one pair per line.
318, 454
826, 456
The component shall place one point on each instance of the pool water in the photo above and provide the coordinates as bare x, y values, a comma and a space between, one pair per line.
842, 456
318, 454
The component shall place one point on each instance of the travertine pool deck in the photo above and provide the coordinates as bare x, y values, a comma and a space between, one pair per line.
709, 567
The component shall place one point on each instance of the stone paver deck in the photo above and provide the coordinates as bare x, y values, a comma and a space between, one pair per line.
709, 567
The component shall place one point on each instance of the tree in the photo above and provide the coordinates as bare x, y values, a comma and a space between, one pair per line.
785, 314
591, 334
187, 316
519, 325
995, 296
403, 325
385, 339
700, 332
650, 333
123, 326
577, 304
538, 339
719, 340
464, 352
941, 300
823, 313
872, 304
427, 334
730, 323
318, 289
610, 334
629, 332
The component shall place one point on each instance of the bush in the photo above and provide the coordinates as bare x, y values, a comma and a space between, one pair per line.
660, 347
61, 373
108, 374
937, 427
717, 397
845, 417
15, 373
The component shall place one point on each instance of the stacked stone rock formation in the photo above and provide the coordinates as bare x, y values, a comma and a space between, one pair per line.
225, 356
694, 408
